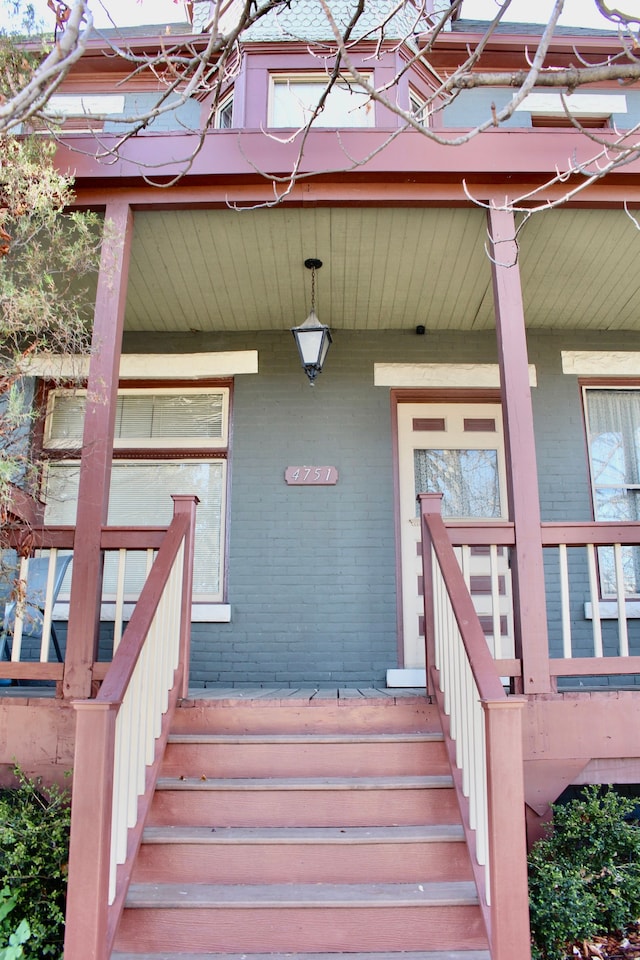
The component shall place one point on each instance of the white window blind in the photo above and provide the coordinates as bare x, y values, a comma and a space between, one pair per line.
144, 419
294, 98
140, 496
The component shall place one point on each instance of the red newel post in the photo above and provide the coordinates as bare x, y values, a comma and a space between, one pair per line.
430, 504
90, 841
510, 933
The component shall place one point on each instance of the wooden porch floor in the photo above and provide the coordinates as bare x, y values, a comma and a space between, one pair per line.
305, 693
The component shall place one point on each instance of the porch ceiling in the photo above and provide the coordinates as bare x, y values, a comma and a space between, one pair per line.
385, 268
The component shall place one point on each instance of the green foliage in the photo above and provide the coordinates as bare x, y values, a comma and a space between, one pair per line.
14, 939
584, 878
49, 257
34, 848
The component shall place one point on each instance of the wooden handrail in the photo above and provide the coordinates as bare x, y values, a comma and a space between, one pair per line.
599, 533
483, 733
126, 656
475, 644
111, 538
96, 891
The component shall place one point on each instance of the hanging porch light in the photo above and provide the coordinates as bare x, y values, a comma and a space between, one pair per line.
313, 338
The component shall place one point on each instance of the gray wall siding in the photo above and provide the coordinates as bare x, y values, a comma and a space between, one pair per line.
312, 571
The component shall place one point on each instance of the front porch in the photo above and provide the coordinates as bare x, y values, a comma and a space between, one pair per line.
306, 611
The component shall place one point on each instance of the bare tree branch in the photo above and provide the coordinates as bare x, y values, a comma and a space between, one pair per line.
202, 68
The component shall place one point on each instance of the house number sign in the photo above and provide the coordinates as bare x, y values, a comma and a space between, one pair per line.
311, 476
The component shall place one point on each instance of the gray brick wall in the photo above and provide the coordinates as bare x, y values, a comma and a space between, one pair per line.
311, 572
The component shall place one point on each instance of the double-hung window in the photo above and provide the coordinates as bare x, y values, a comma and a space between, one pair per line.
294, 98
166, 441
613, 433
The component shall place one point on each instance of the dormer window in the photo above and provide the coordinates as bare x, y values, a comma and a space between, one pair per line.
293, 98
224, 113
418, 108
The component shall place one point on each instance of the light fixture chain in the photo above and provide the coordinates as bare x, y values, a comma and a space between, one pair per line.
313, 289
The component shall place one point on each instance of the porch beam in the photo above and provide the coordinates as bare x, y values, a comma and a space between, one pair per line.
97, 450
524, 501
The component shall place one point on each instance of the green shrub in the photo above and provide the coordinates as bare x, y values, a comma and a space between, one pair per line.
584, 878
11, 941
34, 850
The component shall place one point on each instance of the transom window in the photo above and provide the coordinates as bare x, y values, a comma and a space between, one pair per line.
183, 418
295, 97
166, 441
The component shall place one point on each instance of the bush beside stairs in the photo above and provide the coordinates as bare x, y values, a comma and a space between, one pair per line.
311, 829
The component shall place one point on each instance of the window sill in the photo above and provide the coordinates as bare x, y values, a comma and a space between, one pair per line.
200, 612
608, 610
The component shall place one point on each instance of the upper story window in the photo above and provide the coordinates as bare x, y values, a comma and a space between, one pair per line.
79, 113
418, 108
224, 113
294, 97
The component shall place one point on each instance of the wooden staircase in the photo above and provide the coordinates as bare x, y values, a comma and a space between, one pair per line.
306, 828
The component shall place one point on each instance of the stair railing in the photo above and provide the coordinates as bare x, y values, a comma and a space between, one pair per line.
120, 740
483, 733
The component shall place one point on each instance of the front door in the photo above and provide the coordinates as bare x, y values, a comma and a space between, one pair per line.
455, 449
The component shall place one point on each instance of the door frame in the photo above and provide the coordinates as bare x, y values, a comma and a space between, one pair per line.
432, 395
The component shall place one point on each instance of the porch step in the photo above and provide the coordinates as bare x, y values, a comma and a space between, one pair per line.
428, 955
302, 917
360, 755
305, 801
303, 832
303, 854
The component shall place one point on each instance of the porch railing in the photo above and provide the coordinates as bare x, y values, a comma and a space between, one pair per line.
120, 740
482, 728
34, 649
592, 572
592, 587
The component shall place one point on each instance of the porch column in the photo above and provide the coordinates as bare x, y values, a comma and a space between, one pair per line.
524, 502
97, 450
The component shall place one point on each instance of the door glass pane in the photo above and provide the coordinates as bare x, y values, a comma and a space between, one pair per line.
468, 479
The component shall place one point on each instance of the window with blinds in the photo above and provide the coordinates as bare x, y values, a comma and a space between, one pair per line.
180, 418
167, 422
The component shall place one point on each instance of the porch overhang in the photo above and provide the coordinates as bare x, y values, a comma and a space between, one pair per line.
385, 269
